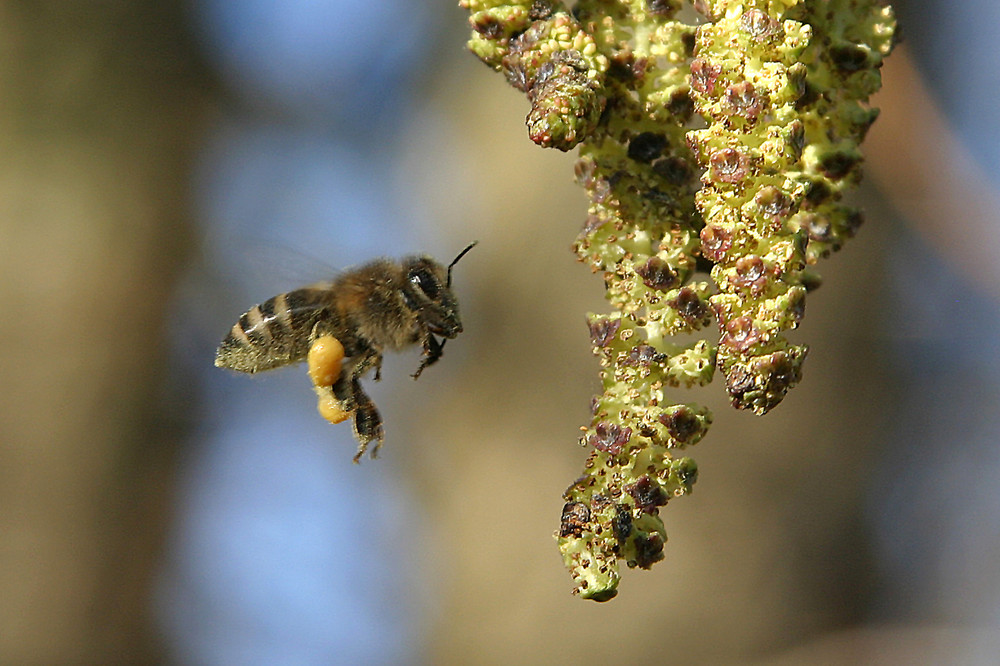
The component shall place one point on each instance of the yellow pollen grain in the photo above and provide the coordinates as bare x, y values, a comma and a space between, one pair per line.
330, 408
324, 360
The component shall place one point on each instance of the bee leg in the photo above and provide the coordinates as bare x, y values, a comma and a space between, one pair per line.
432, 352
366, 361
367, 423
343, 392
346, 387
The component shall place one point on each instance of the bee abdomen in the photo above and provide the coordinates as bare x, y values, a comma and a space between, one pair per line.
274, 333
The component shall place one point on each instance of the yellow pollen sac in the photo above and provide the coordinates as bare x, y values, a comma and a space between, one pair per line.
324, 361
330, 408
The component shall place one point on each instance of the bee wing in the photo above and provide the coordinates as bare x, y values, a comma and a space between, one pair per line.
276, 332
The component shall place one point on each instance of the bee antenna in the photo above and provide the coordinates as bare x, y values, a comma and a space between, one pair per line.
460, 255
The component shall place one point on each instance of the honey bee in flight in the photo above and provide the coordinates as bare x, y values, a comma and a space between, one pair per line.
342, 327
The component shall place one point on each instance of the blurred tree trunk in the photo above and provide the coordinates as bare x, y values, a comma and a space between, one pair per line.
100, 107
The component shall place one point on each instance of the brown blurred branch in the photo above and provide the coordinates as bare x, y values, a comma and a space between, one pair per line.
99, 111
931, 178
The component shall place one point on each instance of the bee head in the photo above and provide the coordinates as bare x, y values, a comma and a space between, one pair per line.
427, 290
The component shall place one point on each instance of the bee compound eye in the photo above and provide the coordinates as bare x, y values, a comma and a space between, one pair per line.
426, 282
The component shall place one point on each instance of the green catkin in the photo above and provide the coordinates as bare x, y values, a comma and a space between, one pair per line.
780, 85
781, 98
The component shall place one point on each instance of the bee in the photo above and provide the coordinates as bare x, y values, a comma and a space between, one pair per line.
342, 328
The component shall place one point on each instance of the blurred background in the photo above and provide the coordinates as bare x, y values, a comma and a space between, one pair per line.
166, 165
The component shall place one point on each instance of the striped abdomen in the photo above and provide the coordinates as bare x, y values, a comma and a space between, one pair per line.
276, 332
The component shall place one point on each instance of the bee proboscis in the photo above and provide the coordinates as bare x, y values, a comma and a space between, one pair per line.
342, 327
